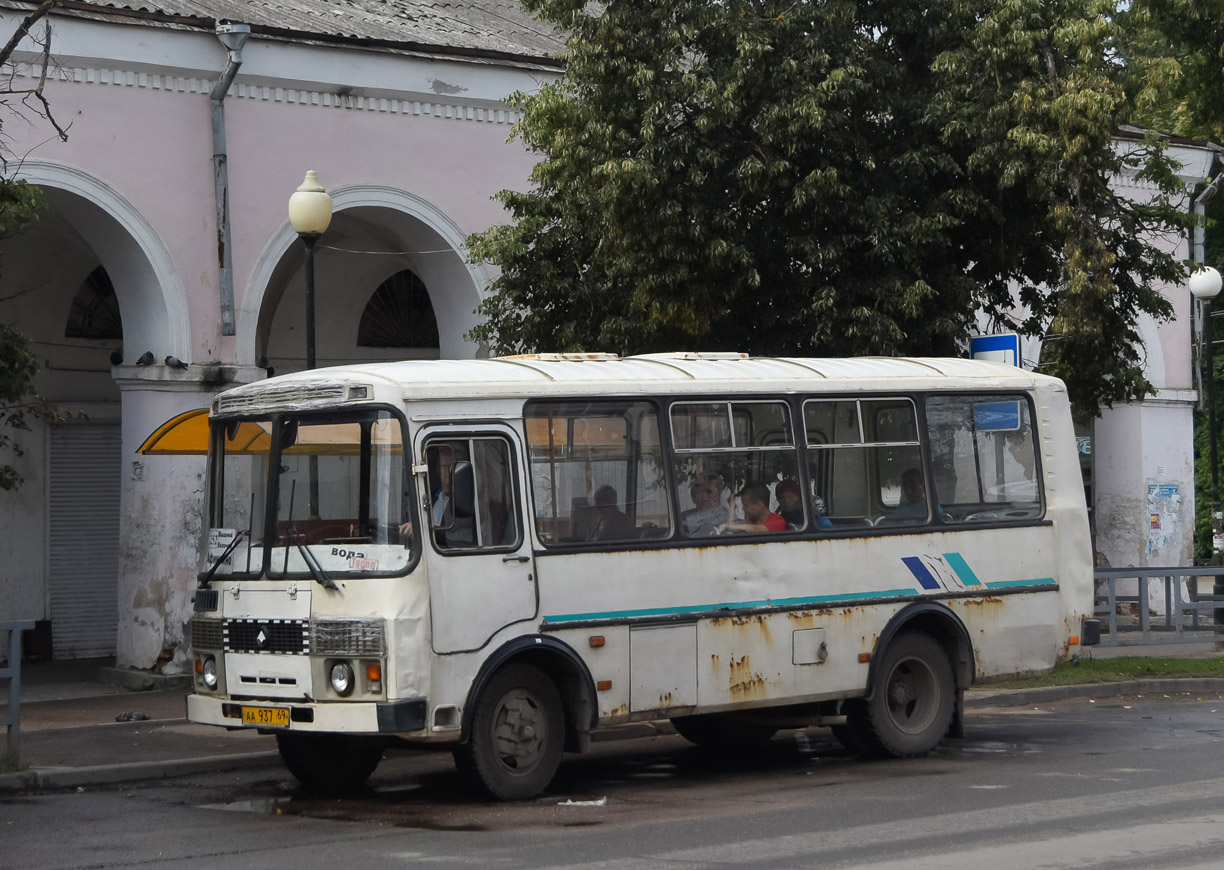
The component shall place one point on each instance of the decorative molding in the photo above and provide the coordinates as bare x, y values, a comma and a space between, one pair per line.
267, 93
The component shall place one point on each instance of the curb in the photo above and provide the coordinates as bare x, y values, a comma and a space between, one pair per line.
1022, 697
53, 778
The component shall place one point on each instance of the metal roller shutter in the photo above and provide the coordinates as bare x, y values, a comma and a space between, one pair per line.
84, 539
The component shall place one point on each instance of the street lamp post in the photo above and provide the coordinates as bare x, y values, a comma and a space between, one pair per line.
310, 211
1205, 285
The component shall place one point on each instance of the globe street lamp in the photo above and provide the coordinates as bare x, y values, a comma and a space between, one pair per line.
1205, 285
310, 211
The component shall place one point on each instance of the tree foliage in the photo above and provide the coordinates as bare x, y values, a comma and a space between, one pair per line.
833, 178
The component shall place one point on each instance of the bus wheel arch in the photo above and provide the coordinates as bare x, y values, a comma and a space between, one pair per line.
559, 663
933, 649
944, 626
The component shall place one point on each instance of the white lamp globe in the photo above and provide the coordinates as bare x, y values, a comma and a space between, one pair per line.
310, 208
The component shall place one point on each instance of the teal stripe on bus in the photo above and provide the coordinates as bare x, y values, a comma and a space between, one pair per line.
740, 605
958, 564
1008, 584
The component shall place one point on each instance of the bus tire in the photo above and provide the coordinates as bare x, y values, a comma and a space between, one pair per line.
517, 735
721, 732
337, 762
855, 736
911, 707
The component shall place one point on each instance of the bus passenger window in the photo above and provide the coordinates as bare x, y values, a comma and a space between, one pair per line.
985, 458
596, 472
729, 449
859, 452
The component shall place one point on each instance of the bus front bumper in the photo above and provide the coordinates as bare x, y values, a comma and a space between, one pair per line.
381, 717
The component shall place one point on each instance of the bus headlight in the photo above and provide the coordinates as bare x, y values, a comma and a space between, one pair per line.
208, 672
342, 679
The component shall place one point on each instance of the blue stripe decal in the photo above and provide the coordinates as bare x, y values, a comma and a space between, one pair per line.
921, 572
958, 564
1005, 584
740, 605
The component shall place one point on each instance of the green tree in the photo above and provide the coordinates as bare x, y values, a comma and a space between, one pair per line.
832, 178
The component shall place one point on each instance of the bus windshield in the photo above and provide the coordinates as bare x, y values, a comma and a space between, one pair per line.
309, 496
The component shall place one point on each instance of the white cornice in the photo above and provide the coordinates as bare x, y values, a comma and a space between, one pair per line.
456, 110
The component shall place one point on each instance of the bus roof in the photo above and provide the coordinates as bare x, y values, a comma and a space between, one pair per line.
607, 374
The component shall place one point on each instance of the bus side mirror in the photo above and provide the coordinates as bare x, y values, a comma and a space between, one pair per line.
463, 487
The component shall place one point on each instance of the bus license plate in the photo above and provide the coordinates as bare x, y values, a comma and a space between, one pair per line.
266, 717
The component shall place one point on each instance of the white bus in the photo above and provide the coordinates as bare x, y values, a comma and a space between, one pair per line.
500, 556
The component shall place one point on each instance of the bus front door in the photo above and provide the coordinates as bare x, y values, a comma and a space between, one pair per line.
481, 575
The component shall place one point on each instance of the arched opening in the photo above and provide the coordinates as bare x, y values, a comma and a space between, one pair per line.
386, 253
88, 276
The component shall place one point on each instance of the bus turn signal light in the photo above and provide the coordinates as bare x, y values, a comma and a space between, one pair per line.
864, 658
597, 640
604, 685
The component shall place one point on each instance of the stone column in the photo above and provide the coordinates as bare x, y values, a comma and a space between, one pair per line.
162, 507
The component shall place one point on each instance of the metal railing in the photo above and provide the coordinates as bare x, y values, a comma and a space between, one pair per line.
1190, 616
10, 714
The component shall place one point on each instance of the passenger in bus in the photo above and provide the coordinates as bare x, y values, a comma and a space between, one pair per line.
708, 512
611, 524
790, 506
913, 495
757, 516
790, 503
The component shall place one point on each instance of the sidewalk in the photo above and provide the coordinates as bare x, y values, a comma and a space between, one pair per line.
70, 737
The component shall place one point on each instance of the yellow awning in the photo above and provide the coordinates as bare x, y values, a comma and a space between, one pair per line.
186, 434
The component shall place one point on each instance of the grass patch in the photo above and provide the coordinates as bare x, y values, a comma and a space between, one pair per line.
1087, 671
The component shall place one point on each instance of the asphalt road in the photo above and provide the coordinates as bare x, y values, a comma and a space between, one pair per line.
1132, 782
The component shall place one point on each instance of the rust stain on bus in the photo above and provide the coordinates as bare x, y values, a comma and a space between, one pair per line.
715, 662
744, 683
666, 700
622, 710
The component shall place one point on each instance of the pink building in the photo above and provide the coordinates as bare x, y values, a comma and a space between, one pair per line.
399, 107
167, 270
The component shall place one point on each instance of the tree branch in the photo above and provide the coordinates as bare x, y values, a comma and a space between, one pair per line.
23, 29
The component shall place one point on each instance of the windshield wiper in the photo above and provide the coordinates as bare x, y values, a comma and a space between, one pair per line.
207, 578
316, 570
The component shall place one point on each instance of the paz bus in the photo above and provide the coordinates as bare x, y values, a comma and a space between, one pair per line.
500, 556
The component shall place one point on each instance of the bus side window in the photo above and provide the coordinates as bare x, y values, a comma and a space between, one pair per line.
471, 505
597, 472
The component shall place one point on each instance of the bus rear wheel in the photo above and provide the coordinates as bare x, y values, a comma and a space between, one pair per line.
911, 708
517, 735
721, 732
339, 762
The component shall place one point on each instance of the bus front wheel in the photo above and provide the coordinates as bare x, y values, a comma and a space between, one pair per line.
517, 735
911, 708
329, 761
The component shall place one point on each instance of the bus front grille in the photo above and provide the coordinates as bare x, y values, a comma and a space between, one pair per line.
283, 636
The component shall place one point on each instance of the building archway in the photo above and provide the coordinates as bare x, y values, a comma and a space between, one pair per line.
93, 287
376, 232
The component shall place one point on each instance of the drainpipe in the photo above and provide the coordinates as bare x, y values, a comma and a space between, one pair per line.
233, 37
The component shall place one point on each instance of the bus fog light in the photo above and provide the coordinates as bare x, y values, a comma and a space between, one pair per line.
208, 672
342, 679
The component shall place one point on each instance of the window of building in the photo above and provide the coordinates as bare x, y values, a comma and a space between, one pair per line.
399, 314
95, 309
